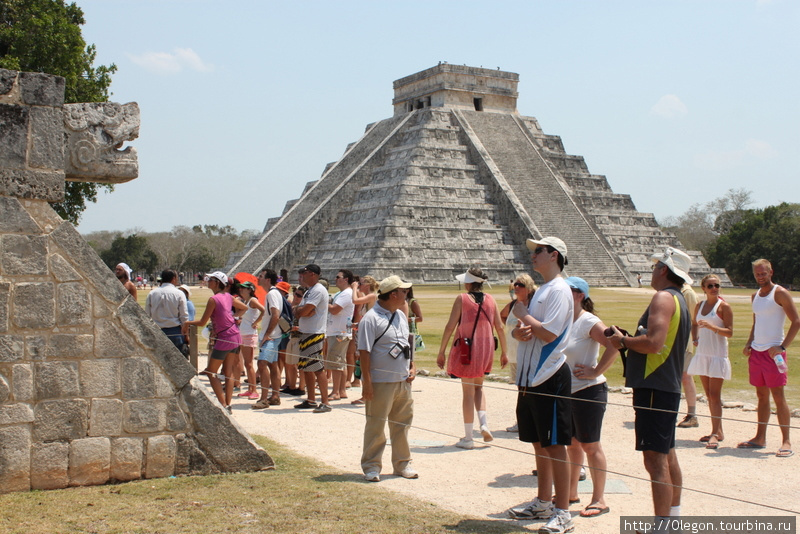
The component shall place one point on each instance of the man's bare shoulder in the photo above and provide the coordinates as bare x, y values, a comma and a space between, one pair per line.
783, 296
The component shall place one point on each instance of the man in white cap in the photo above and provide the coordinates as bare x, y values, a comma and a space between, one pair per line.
654, 369
123, 273
544, 380
386, 373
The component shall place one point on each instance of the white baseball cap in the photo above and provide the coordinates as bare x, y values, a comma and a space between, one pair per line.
676, 261
219, 275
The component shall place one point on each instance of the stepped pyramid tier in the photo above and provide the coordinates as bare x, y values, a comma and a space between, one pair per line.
91, 390
455, 178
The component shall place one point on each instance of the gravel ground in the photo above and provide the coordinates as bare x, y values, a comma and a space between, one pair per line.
495, 476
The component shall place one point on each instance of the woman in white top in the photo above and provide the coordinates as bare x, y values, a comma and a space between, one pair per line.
249, 329
589, 395
712, 325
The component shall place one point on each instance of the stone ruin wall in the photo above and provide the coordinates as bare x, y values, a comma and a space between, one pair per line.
91, 391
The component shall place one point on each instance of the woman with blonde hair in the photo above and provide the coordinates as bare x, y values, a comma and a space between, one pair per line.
523, 288
473, 317
365, 294
712, 325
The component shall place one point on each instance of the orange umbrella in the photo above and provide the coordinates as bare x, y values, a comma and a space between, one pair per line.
261, 295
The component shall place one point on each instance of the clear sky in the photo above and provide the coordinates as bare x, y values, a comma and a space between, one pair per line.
244, 102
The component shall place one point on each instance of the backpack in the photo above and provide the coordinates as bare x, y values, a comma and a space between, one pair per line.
287, 316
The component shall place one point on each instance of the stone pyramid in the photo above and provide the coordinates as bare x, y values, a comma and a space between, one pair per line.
91, 391
458, 178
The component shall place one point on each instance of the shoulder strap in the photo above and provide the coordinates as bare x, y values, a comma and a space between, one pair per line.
387, 327
477, 317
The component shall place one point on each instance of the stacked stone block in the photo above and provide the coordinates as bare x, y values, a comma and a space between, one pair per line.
91, 391
442, 187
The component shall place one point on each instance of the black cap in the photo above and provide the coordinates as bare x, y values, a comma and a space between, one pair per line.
311, 267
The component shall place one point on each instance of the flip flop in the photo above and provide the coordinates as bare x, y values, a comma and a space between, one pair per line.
749, 445
784, 453
600, 510
358, 401
710, 445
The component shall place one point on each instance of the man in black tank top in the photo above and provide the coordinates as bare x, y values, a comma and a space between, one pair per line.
654, 369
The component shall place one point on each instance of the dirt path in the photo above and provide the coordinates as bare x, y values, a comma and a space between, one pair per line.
488, 480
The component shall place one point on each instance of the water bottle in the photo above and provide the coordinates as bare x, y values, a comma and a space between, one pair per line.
780, 361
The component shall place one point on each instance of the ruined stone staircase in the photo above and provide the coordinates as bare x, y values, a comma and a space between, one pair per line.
545, 198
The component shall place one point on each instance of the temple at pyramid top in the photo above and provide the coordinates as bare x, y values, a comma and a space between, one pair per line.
457, 87
456, 178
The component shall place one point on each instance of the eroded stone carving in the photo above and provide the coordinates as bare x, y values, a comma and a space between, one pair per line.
95, 134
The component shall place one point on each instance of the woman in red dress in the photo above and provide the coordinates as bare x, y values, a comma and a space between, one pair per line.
474, 317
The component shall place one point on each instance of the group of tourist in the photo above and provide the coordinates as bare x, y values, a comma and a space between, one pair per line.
559, 351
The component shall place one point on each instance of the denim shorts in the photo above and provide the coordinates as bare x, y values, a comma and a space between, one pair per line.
269, 351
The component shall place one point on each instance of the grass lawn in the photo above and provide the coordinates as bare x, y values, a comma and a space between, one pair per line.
302, 495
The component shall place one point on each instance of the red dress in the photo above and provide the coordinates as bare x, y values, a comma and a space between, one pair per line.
482, 342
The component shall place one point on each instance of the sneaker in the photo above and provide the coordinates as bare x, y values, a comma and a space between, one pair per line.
322, 408
407, 472
296, 392
305, 405
513, 428
537, 509
690, 421
372, 476
582, 476
560, 522
465, 443
230, 410
487, 436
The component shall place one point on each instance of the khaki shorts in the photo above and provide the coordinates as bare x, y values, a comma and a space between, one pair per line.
293, 351
336, 359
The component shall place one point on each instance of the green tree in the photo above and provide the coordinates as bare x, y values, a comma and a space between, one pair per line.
45, 36
772, 233
701, 224
133, 250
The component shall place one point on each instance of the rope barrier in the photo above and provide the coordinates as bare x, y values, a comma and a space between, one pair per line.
608, 471
489, 385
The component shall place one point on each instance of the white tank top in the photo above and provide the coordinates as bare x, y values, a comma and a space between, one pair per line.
710, 343
768, 328
246, 328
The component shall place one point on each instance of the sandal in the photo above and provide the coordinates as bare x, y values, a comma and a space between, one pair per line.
358, 401
260, 405
594, 509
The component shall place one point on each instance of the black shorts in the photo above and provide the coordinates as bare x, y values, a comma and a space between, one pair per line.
655, 428
544, 412
284, 343
588, 409
217, 354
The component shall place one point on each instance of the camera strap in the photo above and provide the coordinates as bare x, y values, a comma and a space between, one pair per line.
387, 328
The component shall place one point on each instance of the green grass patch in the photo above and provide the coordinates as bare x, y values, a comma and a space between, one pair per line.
301, 495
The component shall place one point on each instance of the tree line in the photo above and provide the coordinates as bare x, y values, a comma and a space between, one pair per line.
200, 248
731, 234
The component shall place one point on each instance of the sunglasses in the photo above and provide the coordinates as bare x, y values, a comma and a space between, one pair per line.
709, 286
519, 284
576, 290
537, 250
